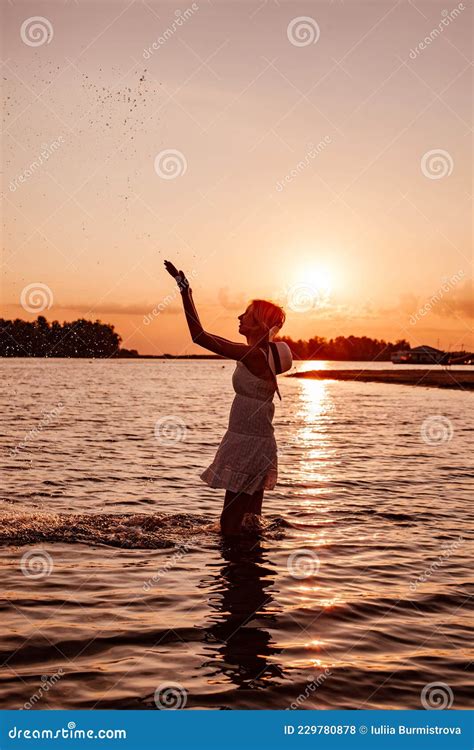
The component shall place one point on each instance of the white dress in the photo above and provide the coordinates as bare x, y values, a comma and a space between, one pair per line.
246, 460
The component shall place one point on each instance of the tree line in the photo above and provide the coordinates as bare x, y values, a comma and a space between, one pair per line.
84, 338
80, 338
355, 348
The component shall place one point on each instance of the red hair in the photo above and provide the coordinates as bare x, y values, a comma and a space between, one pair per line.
267, 313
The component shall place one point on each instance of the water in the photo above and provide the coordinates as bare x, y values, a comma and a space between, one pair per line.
355, 596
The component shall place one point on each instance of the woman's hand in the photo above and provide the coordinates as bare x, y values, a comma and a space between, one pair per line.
179, 276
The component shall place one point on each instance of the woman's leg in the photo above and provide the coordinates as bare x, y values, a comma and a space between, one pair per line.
235, 507
255, 503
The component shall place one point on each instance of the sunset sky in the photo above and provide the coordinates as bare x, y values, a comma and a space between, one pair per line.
322, 158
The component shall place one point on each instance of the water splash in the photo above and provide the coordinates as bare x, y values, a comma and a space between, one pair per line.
126, 530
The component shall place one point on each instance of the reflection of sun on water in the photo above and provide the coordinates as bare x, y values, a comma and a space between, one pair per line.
313, 364
324, 603
313, 400
314, 413
314, 645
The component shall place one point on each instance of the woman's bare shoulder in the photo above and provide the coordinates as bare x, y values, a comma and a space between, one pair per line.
256, 362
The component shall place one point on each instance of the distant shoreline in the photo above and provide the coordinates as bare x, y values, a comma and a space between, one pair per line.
124, 356
85, 339
400, 371
452, 379
171, 356
216, 356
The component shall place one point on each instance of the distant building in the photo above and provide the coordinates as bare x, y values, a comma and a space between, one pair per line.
420, 355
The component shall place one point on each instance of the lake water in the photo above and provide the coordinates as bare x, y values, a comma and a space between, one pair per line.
356, 595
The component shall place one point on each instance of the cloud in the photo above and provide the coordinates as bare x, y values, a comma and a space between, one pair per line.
237, 303
452, 299
449, 301
106, 309
338, 312
457, 302
91, 310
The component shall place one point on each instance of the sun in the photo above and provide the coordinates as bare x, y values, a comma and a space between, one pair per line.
311, 288
319, 278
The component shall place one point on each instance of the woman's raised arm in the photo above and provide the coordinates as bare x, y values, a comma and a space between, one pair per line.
252, 355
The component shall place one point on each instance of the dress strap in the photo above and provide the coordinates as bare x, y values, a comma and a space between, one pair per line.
272, 365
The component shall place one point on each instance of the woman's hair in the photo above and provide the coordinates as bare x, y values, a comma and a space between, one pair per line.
268, 314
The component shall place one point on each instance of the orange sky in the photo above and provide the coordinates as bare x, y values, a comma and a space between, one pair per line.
322, 158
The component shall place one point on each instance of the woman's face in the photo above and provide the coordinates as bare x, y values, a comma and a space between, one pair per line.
247, 323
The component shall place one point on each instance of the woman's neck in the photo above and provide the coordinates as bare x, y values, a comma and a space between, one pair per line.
256, 339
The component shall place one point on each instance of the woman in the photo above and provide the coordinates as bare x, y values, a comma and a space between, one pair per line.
245, 464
